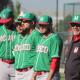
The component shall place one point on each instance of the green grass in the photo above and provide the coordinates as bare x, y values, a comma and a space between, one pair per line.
62, 77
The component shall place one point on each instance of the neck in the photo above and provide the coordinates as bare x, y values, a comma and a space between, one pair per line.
76, 37
9, 27
29, 32
77, 34
46, 35
24, 33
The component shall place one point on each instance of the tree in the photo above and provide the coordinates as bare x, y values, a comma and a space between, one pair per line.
17, 8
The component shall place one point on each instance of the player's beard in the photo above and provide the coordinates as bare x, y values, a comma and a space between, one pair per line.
26, 31
76, 31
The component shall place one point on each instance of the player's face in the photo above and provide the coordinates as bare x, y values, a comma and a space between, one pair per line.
75, 29
43, 28
19, 30
26, 25
18, 27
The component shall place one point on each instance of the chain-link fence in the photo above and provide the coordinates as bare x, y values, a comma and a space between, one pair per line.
70, 9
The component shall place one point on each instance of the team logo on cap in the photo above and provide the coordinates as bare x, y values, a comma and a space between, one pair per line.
76, 49
76, 17
41, 19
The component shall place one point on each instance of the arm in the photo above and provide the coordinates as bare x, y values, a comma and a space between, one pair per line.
53, 67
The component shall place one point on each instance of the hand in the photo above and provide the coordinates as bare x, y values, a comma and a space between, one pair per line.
33, 76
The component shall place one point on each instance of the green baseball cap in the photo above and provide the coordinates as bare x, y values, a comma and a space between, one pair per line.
45, 20
18, 19
6, 15
75, 19
29, 17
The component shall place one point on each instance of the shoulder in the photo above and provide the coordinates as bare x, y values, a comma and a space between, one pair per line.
56, 38
35, 33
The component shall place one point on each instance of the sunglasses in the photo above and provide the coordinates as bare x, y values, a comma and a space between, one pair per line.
75, 24
26, 21
18, 24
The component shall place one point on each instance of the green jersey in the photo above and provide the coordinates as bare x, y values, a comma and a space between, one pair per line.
47, 49
24, 50
6, 40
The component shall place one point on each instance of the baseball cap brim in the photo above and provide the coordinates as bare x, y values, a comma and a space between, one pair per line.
25, 19
74, 22
5, 21
43, 23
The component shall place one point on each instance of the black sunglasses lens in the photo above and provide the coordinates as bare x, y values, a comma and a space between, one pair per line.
78, 25
28, 21
72, 25
75, 24
18, 24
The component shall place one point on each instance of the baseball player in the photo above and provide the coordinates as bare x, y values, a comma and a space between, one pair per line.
48, 50
7, 36
72, 69
24, 49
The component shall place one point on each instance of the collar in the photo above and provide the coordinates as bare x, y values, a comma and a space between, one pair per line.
76, 38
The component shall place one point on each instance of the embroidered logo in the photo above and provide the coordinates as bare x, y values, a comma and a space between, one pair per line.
76, 49
22, 47
42, 48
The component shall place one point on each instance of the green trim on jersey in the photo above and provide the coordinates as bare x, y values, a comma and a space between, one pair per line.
6, 43
47, 49
24, 50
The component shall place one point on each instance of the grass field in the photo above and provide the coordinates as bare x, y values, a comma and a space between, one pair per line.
62, 73
62, 77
